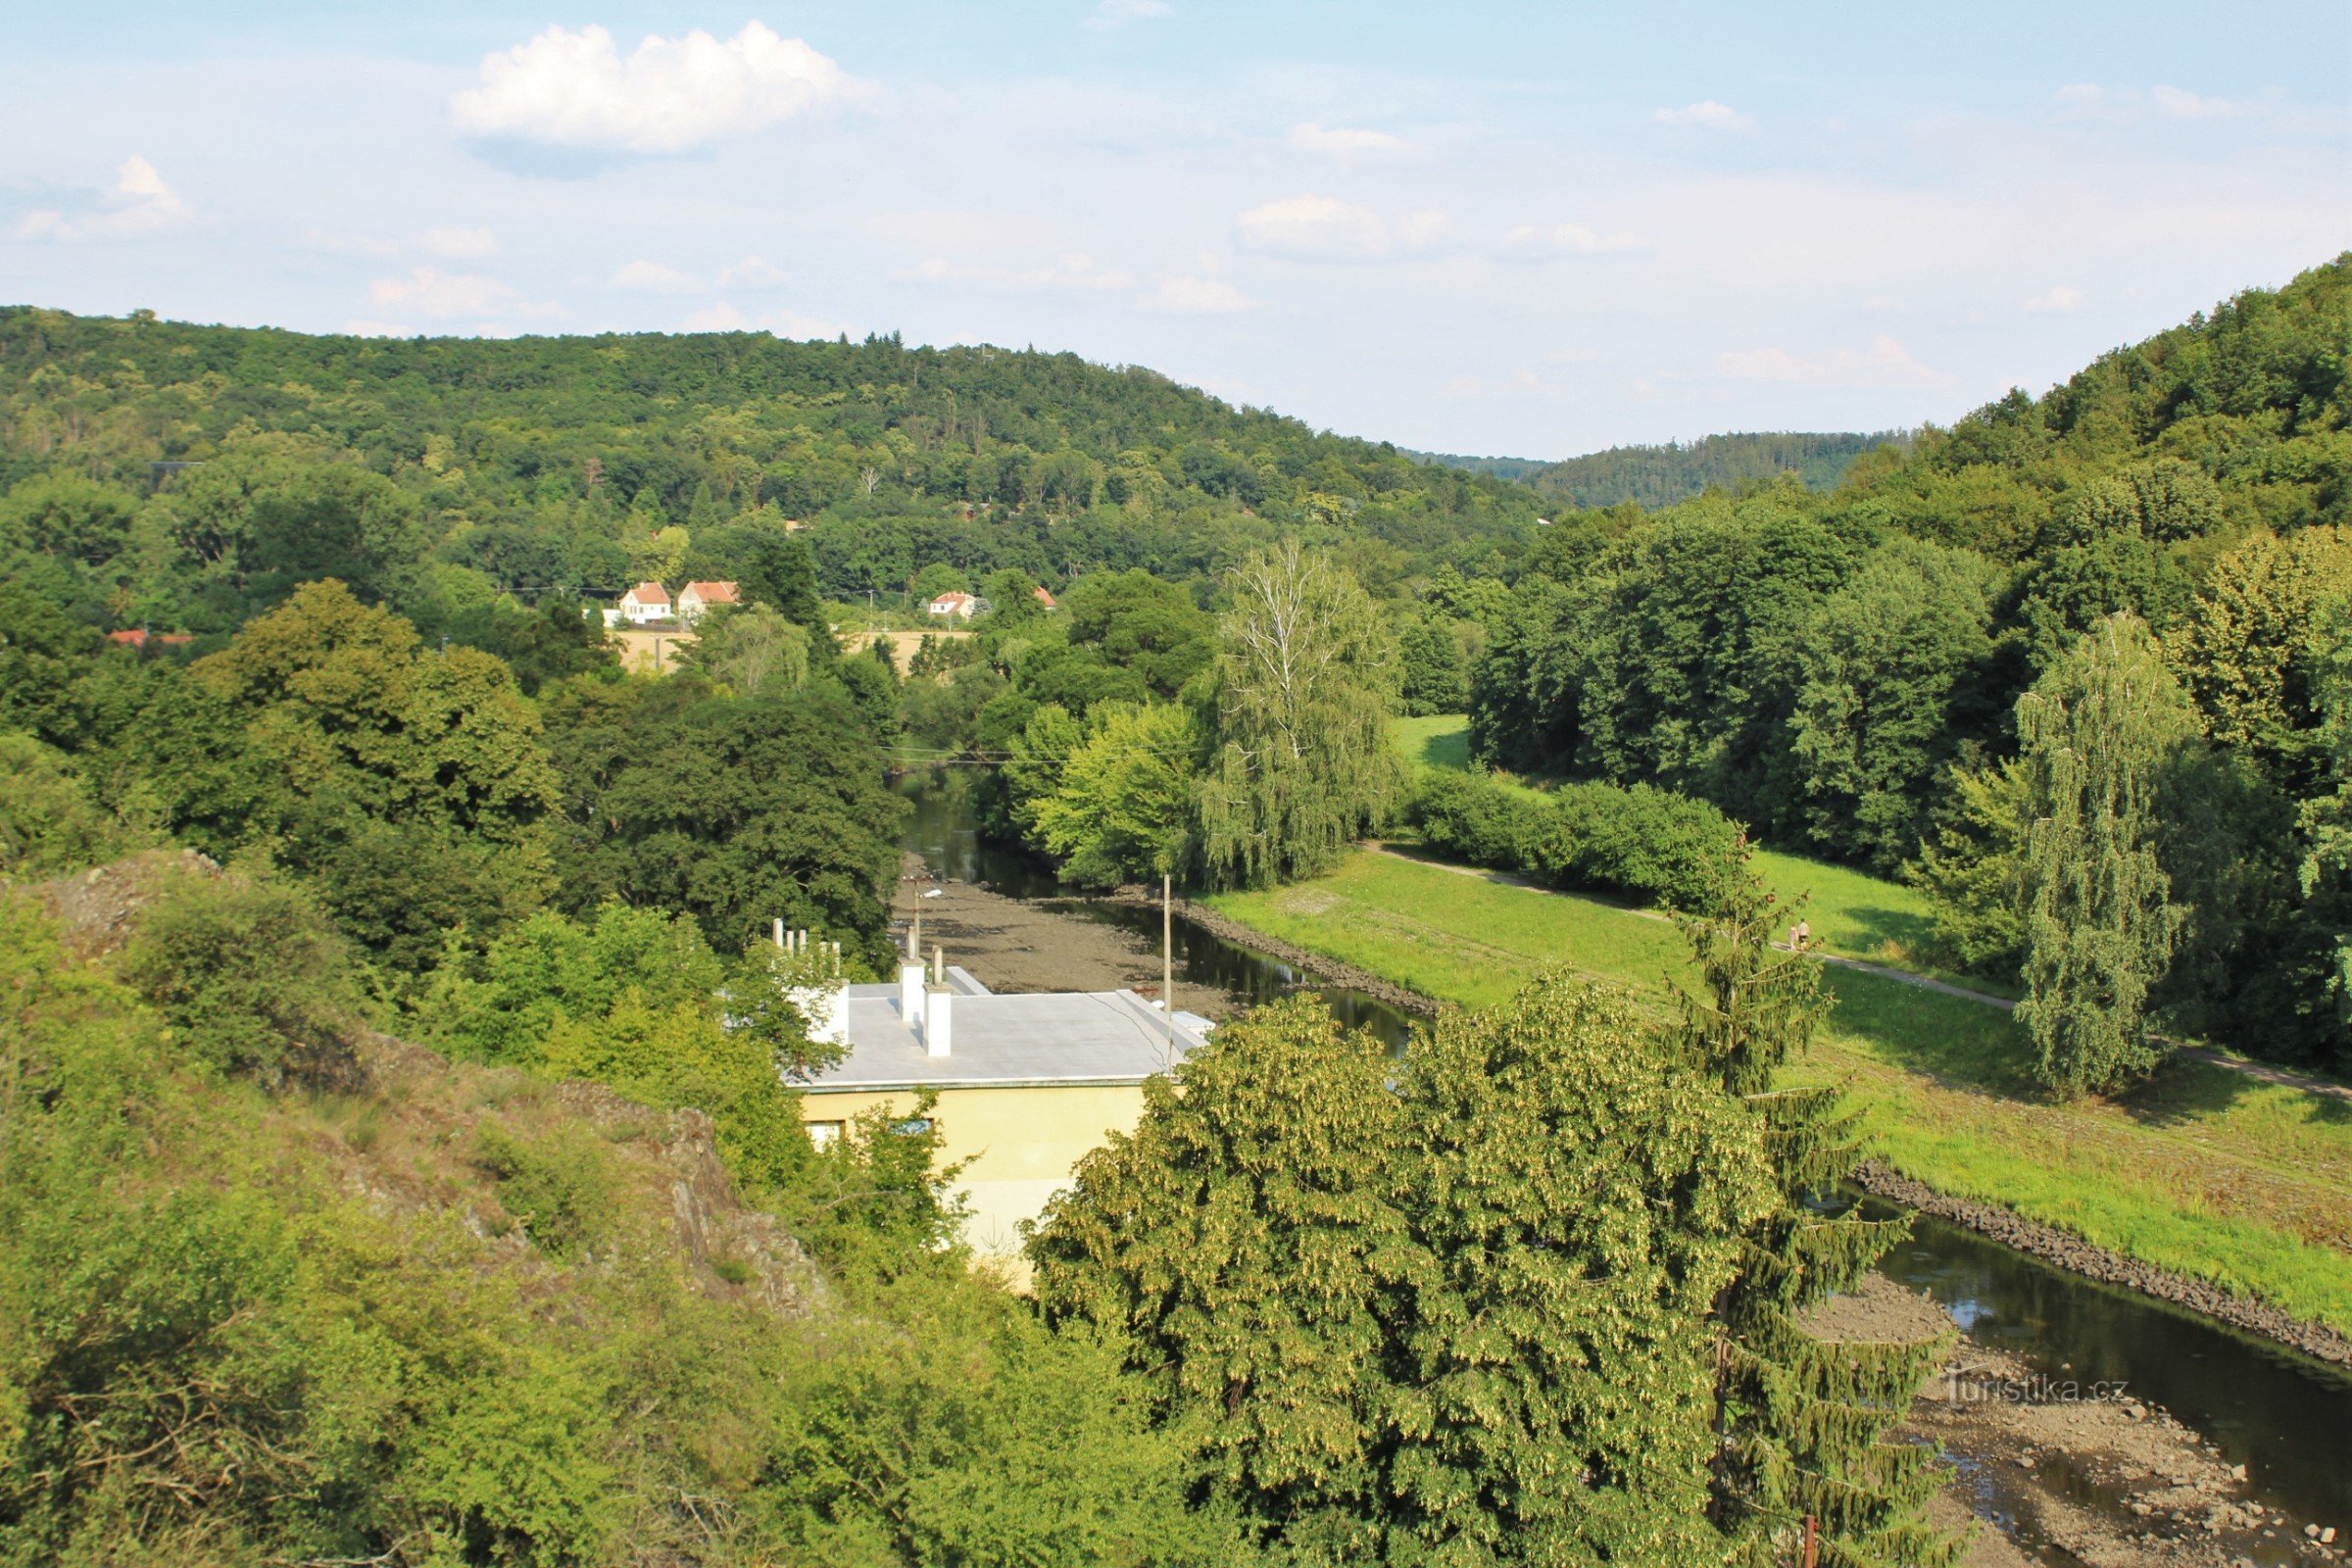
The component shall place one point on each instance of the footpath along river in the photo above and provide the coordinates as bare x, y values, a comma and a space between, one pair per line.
2088, 1424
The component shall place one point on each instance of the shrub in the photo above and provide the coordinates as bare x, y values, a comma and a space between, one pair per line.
251, 975
557, 1188
1643, 842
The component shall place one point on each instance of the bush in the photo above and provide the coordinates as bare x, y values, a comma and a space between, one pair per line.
1643, 842
250, 974
48, 820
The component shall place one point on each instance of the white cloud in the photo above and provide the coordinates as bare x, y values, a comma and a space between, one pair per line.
752, 271
1072, 273
1708, 114
1324, 228
2126, 103
1565, 239
653, 278
140, 203
1195, 296
1119, 13
457, 243
670, 95
2057, 298
1344, 143
2182, 105
1885, 363
430, 292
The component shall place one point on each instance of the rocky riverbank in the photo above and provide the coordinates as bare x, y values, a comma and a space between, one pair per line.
2076, 1256
2066, 1472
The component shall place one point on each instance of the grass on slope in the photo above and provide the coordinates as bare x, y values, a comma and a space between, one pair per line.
2203, 1171
1439, 740
1852, 914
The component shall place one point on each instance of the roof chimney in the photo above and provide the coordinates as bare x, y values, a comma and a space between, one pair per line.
937, 1017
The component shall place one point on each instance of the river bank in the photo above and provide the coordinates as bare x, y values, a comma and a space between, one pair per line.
2050, 1483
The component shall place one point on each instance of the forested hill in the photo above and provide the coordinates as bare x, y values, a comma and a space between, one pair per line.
559, 462
1848, 672
1656, 476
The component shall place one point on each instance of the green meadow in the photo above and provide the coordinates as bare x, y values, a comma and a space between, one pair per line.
2201, 1170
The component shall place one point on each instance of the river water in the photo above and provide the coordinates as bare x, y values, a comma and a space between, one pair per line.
2286, 1417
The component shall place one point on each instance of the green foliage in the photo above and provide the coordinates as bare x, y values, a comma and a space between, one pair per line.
1974, 869
1805, 1426
1121, 806
557, 1188
750, 649
250, 974
1842, 670
1390, 1323
1306, 680
1661, 475
2099, 732
1436, 677
48, 822
982, 1439
736, 811
1885, 669
1646, 842
500, 1006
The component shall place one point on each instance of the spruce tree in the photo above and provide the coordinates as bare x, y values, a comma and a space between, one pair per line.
2099, 734
1801, 1425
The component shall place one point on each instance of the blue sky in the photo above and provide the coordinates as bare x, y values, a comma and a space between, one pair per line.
1508, 228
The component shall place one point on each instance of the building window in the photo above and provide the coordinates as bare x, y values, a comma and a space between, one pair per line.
825, 1134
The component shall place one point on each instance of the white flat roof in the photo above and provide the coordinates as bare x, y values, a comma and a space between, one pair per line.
1021, 1040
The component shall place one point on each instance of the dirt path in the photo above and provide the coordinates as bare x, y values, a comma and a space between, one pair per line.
2255, 1070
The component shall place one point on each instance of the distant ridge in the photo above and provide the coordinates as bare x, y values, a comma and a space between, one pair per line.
1660, 475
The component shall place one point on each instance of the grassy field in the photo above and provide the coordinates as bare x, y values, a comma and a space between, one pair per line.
1852, 913
2203, 1171
1439, 741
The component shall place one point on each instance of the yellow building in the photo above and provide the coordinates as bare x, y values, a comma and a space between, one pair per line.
1027, 1083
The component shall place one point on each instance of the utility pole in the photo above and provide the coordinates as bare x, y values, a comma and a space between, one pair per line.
1167, 960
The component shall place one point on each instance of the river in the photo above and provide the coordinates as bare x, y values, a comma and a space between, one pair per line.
2286, 1417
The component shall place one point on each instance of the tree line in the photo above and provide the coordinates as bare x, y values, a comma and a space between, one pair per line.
2074, 665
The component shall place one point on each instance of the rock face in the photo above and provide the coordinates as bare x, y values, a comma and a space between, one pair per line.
96, 910
669, 1162
2070, 1252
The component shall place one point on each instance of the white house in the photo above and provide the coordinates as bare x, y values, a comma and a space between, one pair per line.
960, 606
696, 596
648, 601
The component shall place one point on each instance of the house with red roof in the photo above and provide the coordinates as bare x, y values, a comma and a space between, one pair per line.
696, 596
648, 601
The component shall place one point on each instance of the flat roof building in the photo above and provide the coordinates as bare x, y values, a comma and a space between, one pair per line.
1027, 1082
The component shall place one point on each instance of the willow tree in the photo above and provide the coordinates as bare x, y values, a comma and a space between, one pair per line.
1801, 1425
2097, 735
1306, 678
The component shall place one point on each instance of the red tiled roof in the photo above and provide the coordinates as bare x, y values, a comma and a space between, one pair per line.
649, 592
130, 639
711, 593
1044, 598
